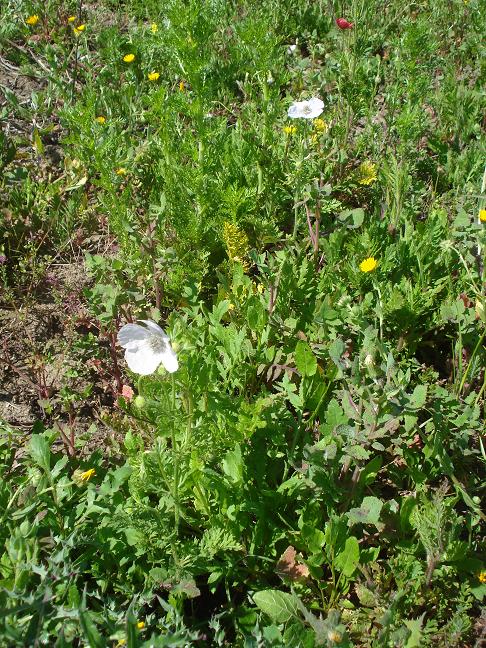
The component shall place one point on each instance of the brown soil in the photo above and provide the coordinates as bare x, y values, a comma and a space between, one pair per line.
40, 359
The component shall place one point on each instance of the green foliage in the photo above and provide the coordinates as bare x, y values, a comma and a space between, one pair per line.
311, 474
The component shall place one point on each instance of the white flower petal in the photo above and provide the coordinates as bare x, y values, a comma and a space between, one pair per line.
169, 359
142, 359
316, 104
131, 333
306, 109
155, 328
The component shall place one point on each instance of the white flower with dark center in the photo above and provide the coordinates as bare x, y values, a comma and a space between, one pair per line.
309, 109
146, 347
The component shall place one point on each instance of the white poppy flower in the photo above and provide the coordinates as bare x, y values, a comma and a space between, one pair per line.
146, 347
309, 109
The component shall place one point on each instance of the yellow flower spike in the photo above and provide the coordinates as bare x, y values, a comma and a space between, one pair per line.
368, 265
154, 28
71, 19
236, 243
121, 171
482, 577
320, 125
367, 173
182, 86
153, 76
87, 474
100, 119
290, 130
129, 58
141, 625
482, 215
32, 20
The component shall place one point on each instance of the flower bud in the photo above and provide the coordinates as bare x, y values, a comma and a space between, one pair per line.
342, 23
139, 402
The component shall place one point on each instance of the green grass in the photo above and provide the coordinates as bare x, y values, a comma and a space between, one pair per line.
311, 475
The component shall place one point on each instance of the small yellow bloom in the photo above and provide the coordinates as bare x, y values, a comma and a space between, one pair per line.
153, 76
482, 215
367, 173
154, 27
129, 58
231, 307
71, 19
482, 577
121, 642
368, 264
260, 288
79, 29
141, 625
320, 125
32, 20
289, 130
101, 119
181, 86
121, 171
87, 474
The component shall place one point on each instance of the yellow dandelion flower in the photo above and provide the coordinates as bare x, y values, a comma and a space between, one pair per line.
154, 28
79, 29
320, 125
121, 171
71, 19
369, 264
32, 20
482, 577
100, 119
153, 76
87, 474
141, 625
482, 215
129, 58
182, 86
367, 173
289, 130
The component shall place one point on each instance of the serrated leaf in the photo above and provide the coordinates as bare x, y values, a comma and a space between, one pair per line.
305, 360
279, 606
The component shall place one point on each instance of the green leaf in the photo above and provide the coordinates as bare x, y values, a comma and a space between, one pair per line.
347, 561
88, 627
369, 472
415, 626
279, 606
336, 351
367, 513
418, 397
40, 452
305, 360
233, 465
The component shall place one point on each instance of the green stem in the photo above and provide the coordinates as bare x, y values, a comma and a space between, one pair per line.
175, 459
